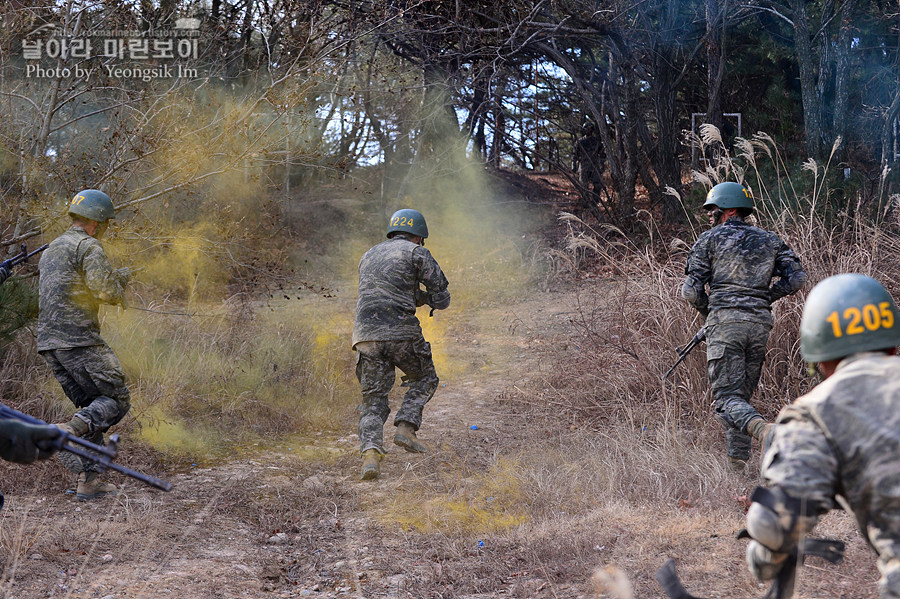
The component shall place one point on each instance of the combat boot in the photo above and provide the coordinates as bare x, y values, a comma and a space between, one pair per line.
75, 427
406, 438
736, 464
759, 429
371, 466
90, 487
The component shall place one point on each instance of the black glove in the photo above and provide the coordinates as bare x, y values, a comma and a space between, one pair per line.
25, 443
422, 297
4, 271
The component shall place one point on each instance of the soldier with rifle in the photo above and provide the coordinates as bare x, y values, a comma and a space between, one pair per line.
737, 262
387, 335
840, 443
75, 278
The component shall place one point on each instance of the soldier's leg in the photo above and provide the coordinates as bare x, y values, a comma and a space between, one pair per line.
414, 359
726, 362
74, 391
757, 340
93, 379
376, 377
104, 399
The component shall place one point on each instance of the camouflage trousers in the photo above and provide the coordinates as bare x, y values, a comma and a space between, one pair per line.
375, 368
93, 379
735, 353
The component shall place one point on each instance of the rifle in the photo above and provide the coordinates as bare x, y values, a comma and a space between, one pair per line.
684, 351
22, 256
99, 455
782, 587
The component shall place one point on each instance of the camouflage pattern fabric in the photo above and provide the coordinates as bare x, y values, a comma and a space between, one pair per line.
390, 275
375, 368
844, 438
735, 353
738, 261
92, 377
75, 278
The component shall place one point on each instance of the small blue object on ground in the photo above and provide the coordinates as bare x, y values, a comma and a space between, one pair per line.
474, 427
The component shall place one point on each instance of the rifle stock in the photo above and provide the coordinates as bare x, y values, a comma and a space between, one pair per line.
684, 351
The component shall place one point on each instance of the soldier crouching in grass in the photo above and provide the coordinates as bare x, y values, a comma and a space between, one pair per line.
387, 335
75, 278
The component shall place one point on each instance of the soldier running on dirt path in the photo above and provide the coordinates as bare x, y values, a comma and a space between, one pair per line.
738, 262
387, 335
75, 278
843, 437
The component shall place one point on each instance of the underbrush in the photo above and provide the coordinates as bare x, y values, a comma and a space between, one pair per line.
206, 385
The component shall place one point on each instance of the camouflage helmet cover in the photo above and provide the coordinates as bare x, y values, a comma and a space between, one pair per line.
92, 204
408, 221
847, 314
729, 195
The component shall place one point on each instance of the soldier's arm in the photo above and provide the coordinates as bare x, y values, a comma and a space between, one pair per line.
800, 471
697, 274
800, 459
790, 273
432, 277
107, 285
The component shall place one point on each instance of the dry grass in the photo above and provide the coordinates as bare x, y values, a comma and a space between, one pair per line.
631, 334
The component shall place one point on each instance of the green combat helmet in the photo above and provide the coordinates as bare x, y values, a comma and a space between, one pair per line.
92, 204
408, 221
846, 314
729, 195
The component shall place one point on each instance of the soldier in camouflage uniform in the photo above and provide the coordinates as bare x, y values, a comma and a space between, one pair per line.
387, 334
843, 437
738, 262
75, 278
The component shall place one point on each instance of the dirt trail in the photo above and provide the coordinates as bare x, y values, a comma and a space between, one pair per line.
298, 523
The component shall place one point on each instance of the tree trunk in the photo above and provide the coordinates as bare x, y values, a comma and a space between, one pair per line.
715, 58
842, 76
499, 123
812, 104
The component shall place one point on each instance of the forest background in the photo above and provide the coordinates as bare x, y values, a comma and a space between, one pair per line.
254, 149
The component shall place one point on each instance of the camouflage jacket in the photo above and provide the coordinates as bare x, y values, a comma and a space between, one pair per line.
75, 278
389, 277
843, 437
738, 261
